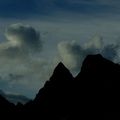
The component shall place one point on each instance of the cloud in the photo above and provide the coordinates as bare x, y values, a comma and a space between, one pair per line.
95, 42
24, 76
73, 54
110, 51
20, 59
23, 36
22, 40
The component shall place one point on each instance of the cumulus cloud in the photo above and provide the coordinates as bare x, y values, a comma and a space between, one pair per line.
95, 42
22, 48
22, 40
23, 36
72, 54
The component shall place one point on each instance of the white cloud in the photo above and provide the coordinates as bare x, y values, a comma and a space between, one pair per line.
73, 54
95, 42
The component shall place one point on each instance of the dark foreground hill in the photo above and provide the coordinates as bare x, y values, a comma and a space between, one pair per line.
92, 94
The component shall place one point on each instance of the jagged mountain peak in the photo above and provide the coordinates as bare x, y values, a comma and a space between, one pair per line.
58, 82
61, 73
59, 67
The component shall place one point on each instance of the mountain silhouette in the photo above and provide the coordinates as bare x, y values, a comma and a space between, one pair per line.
52, 101
100, 79
94, 91
5, 105
101, 71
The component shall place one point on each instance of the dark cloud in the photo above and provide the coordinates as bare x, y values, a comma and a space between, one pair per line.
111, 51
14, 77
23, 41
23, 36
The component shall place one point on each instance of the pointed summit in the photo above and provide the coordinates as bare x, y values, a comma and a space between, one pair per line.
60, 67
59, 81
61, 73
60, 64
54, 97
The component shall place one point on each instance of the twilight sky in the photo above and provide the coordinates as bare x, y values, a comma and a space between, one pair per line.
35, 35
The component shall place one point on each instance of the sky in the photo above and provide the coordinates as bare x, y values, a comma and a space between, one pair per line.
36, 35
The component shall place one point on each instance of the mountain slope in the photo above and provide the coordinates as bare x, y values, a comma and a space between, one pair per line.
94, 91
101, 72
53, 99
99, 81
6, 106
